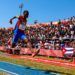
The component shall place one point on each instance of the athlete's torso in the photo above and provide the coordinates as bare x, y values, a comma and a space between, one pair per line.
21, 23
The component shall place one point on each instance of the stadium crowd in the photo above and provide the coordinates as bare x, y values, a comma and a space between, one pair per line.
52, 35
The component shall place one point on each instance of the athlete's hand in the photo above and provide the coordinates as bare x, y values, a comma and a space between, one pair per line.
10, 21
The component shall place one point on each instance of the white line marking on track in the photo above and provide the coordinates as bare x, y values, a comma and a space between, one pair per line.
8, 71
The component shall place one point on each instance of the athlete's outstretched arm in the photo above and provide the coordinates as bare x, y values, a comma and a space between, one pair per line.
12, 19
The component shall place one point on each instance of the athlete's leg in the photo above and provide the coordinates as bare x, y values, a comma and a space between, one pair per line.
14, 40
29, 45
37, 50
15, 37
24, 38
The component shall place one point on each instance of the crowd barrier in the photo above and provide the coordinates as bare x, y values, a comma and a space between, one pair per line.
44, 52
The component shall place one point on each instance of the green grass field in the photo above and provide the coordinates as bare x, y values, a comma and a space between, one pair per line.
41, 66
3, 73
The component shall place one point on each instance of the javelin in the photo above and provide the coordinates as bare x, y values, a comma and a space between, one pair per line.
21, 7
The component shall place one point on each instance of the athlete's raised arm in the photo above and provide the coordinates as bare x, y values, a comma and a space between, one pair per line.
13, 18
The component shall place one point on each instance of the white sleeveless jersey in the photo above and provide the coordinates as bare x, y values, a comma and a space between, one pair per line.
22, 26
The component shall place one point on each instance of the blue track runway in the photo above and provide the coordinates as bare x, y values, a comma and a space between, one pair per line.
13, 69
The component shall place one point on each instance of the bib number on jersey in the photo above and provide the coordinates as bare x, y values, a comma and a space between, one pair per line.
22, 27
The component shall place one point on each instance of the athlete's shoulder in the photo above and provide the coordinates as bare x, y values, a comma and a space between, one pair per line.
21, 16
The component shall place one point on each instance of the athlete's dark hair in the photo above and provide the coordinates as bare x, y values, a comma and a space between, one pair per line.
26, 12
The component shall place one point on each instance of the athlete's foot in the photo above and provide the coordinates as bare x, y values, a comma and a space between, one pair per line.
34, 54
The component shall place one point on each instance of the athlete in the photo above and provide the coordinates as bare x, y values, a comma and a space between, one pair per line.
19, 30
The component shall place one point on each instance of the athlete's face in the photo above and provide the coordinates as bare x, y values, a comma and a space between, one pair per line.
25, 15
